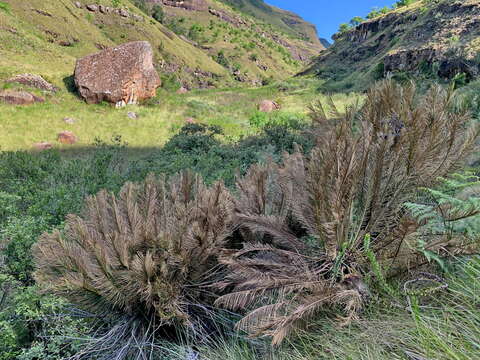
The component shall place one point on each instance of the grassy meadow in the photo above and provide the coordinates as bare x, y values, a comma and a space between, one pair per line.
158, 120
438, 317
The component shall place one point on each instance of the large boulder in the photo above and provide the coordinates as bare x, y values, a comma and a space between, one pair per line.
19, 97
120, 75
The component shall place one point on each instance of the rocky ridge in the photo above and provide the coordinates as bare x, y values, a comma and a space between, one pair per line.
440, 38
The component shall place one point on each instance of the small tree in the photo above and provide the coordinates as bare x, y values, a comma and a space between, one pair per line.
344, 28
357, 20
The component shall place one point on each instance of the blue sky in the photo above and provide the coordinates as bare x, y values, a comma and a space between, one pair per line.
329, 14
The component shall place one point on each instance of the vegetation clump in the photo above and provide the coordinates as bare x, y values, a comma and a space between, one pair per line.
142, 256
306, 221
308, 236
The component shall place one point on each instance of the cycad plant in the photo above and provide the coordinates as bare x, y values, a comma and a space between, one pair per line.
305, 221
143, 258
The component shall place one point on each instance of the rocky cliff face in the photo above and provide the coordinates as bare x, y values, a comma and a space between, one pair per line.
441, 38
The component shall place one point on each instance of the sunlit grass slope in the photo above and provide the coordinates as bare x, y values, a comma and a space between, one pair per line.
22, 126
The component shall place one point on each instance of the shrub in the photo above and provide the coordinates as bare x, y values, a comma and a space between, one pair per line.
305, 222
196, 32
357, 20
170, 82
158, 13
379, 71
402, 3
140, 257
194, 138
261, 120
449, 213
222, 59
460, 80
4, 7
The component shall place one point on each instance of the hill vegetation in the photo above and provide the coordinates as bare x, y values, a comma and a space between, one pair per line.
242, 213
414, 40
211, 47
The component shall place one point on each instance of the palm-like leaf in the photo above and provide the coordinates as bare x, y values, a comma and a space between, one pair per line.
143, 252
355, 182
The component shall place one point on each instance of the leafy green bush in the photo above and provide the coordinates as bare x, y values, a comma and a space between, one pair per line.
170, 82
222, 59
4, 7
261, 120
158, 13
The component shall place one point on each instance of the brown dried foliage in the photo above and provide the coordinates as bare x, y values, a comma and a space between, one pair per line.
144, 252
365, 167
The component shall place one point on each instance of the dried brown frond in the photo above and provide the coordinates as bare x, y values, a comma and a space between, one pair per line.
143, 252
355, 182
284, 288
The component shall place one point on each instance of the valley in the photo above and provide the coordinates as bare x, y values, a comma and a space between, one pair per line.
211, 180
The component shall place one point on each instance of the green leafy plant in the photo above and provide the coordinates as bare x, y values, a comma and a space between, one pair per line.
158, 13
4, 6
450, 217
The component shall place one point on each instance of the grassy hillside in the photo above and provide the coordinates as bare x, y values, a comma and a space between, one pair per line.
195, 48
46, 36
158, 120
285, 20
250, 47
424, 40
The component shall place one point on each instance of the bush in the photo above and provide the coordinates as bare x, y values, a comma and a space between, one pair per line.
140, 257
261, 120
324, 221
4, 7
222, 59
158, 13
170, 82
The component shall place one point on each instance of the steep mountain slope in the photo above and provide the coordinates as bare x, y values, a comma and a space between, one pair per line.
200, 43
253, 48
429, 38
46, 36
287, 21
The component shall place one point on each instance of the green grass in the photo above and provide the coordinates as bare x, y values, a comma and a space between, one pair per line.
22, 126
30, 41
446, 326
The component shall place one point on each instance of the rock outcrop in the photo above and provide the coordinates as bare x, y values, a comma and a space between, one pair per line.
19, 97
193, 5
439, 39
120, 75
102, 9
33, 80
41, 146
